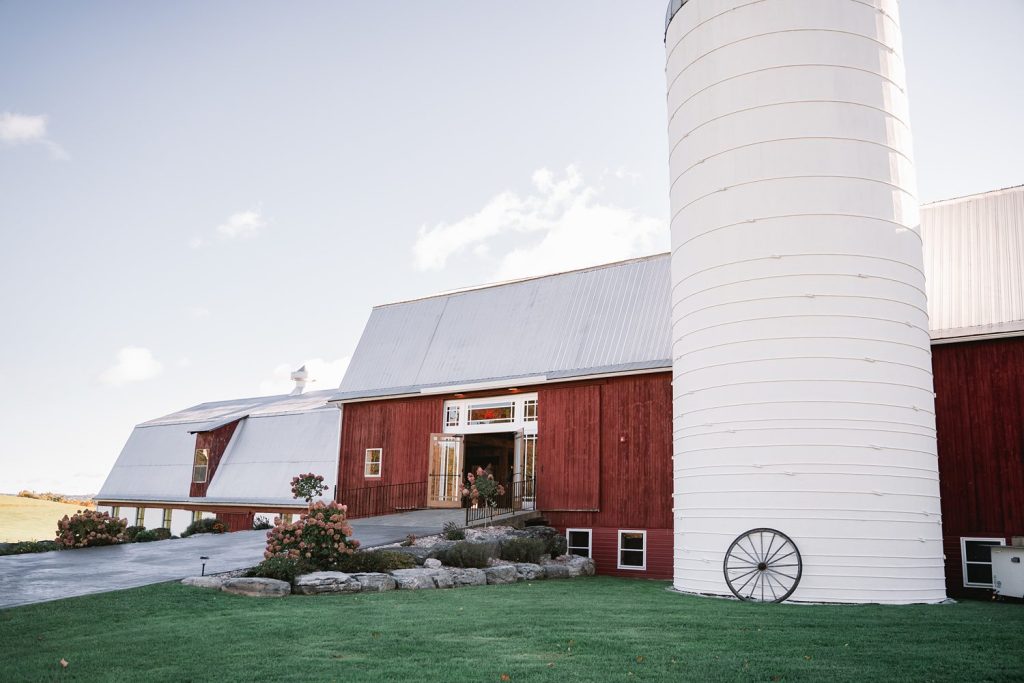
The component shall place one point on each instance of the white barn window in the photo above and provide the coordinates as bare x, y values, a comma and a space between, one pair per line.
579, 542
200, 465
374, 462
976, 556
632, 549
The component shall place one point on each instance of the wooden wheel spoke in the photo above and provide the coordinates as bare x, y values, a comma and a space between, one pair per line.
760, 571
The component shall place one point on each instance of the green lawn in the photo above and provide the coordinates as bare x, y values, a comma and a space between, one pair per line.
600, 629
28, 519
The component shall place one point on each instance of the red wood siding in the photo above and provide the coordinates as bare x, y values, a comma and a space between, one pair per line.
402, 428
238, 521
979, 410
605, 549
569, 448
217, 441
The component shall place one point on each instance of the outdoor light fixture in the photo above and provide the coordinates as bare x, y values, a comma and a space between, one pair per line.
203, 571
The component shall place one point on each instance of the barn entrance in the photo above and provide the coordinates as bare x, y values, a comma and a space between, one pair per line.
495, 453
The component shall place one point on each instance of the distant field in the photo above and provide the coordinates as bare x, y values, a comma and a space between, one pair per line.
28, 519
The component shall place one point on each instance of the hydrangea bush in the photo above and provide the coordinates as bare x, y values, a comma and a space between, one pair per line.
308, 486
87, 528
321, 537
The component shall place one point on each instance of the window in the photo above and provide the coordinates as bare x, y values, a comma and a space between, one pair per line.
200, 466
976, 554
140, 516
115, 511
578, 541
372, 466
632, 550
530, 411
492, 413
451, 416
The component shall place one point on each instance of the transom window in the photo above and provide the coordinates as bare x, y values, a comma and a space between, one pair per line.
578, 542
374, 460
492, 413
976, 554
632, 549
201, 465
530, 411
451, 416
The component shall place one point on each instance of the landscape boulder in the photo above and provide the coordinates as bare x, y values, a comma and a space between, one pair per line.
499, 574
317, 583
555, 570
580, 566
467, 577
413, 579
257, 588
214, 582
527, 571
432, 563
375, 581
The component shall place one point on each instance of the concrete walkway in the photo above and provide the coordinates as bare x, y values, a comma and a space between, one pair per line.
39, 577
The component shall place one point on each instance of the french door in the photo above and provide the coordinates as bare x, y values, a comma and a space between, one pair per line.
444, 485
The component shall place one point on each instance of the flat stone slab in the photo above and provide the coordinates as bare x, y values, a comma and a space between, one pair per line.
214, 582
257, 588
504, 573
375, 581
318, 583
527, 571
467, 577
413, 579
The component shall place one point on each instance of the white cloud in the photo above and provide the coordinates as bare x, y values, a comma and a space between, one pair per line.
134, 364
323, 374
560, 226
16, 129
241, 224
199, 312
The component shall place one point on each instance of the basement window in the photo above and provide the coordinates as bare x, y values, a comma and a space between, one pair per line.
632, 549
374, 460
976, 556
140, 516
578, 542
200, 465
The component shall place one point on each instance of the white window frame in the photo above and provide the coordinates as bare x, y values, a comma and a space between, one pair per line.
452, 414
367, 463
618, 553
964, 540
527, 405
464, 405
204, 468
590, 541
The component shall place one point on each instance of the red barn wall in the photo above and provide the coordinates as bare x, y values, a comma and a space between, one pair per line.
979, 411
217, 441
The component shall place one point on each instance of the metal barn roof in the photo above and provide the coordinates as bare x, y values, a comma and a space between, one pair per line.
974, 264
609, 318
279, 437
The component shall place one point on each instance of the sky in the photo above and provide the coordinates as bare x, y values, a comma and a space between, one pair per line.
196, 198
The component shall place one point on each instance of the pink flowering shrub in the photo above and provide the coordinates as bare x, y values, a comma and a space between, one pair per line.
88, 528
480, 488
308, 486
320, 538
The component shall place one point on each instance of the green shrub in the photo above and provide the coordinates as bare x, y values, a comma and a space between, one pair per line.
87, 528
375, 561
145, 536
25, 547
281, 568
467, 554
523, 549
453, 532
322, 536
209, 525
261, 522
161, 533
132, 532
556, 546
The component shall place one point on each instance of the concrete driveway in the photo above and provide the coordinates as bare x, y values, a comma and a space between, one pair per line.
39, 577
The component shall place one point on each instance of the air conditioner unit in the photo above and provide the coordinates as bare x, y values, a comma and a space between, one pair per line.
1008, 571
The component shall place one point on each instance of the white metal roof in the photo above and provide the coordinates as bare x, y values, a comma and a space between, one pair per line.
278, 437
974, 264
609, 318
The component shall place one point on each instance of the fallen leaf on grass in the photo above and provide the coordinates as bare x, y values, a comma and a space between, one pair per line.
639, 659
506, 677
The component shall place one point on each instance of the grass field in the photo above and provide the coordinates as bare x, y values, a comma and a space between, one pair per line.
601, 629
28, 519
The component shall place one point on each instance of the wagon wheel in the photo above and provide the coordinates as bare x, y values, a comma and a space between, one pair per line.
762, 565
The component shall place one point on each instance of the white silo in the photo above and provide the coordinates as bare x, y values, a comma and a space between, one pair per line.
802, 366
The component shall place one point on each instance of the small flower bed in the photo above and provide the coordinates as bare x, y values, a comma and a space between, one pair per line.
88, 528
321, 537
